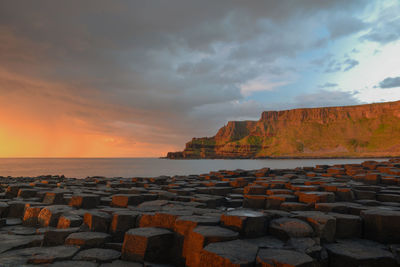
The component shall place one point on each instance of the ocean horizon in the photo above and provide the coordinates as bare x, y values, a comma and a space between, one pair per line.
148, 167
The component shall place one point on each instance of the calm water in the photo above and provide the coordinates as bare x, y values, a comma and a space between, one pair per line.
146, 167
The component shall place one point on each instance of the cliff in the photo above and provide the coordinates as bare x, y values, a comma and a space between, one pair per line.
371, 130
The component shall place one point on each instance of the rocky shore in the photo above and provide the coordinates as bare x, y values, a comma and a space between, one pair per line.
341, 215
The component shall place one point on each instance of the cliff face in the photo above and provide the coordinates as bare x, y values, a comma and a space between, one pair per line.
371, 130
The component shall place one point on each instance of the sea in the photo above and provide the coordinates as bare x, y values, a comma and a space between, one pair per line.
146, 167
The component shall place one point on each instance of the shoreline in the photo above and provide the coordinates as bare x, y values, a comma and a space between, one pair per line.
280, 158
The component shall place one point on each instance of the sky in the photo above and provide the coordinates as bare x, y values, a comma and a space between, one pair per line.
123, 78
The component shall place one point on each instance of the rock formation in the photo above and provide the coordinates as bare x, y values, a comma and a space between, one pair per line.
322, 216
371, 130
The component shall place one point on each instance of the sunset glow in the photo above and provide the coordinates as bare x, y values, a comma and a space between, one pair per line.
143, 84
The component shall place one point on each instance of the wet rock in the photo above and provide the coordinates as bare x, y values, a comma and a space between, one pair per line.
123, 200
88, 239
38, 255
121, 222
9, 242
98, 255
68, 220
53, 198
84, 201
97, 221
324, 225
16, 209
316, 197
73, 263
163, 219
3, 209
275, 201
254, 201
31, 215
184, 224
359, 253
27, 193
247, 222
382, 225
54, 237
49, 216
285, 228
147, 244
120, 263
266, 242
202, 236
347, 225
281, 257
231, 253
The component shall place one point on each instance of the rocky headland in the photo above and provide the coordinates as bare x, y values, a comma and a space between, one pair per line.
334, 216
371, 130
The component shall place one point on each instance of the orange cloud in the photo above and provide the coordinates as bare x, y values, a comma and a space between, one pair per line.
44, 119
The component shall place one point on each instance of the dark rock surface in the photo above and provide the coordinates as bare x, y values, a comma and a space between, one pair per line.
341, 215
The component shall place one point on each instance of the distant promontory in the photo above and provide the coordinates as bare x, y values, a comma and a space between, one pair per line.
371, 130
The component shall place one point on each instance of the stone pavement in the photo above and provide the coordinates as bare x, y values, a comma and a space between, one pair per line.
341, 215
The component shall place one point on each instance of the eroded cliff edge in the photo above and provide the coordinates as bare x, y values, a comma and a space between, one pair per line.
371, 130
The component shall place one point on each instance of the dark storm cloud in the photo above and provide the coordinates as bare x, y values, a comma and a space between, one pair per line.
390, 82
160, 65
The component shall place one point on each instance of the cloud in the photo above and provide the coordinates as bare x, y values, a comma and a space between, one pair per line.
259, 85
160, 71
328, 85
349, 64
386, 28
390, 82
343, 65
324, 98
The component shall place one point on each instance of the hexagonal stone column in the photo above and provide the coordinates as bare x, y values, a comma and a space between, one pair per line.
84, 201
248, 223
229, 254
147, 244
382, 225
49, 216
359, 253
202, 236
97, 221
285, 228
281, 257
